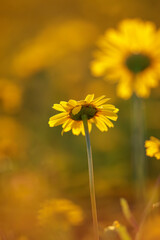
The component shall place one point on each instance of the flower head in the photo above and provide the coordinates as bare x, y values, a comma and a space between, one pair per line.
95, 110
60, 211
153, 147
131, 57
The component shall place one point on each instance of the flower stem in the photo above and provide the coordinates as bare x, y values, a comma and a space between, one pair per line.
91, 178
138, 131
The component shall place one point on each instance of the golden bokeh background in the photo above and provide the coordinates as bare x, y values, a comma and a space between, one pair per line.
45, 52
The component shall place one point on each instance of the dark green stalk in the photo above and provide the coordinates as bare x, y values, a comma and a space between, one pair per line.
138, 146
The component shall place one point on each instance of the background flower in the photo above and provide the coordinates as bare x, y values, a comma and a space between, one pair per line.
153, 147
60, 212
130, 56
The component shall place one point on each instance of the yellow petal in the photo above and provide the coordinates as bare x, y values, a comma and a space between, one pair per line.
89, 98
154, 139
98, 68
64, 105
60, 121
58, 107
67, 123
67, 126
157, 155
54, 123
76, 131
98, 99
89, 126
100, 125
116, 110
82, 130
108, 106
102, 101
140, 87
111, 115
81, 126
57, 116
76, 110
76, 127
106, 121
147, 143
124, 90
72, 103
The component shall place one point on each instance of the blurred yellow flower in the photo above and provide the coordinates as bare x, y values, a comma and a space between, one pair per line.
50, 45
60, 212
153, 147
72, 111
131, 57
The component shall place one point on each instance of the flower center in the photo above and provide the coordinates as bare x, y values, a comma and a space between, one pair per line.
77, 112
137, 63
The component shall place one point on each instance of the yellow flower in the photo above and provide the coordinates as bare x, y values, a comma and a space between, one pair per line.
60, 211
153, 147
131, 57
72, 111
49, 46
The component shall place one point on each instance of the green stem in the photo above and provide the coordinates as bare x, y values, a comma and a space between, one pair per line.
138, 146
91, 178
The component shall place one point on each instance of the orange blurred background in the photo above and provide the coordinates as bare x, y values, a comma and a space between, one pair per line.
45, 50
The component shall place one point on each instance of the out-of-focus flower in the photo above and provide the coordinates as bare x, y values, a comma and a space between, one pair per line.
72, 111
130, 56
53, 42
153, 147
61, 212
10, 95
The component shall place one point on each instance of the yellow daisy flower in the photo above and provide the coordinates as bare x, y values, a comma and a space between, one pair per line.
60, 211
95, 109
131, 57
153, 147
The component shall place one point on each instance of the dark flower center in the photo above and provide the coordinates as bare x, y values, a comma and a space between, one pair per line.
77, 112
137, 63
